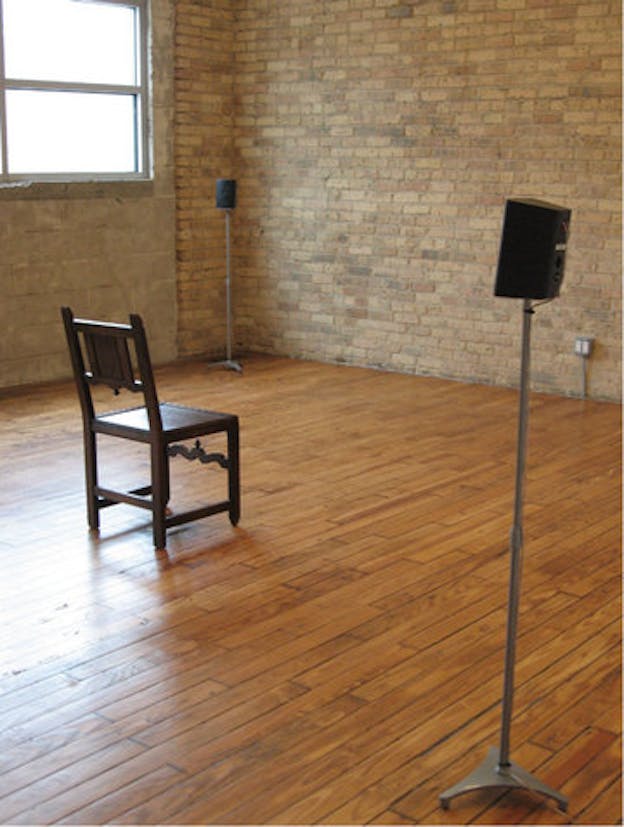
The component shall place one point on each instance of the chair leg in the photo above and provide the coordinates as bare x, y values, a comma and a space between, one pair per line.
90, 454
160, 494
233, 473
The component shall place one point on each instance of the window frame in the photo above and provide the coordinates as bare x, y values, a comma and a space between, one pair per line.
141, 93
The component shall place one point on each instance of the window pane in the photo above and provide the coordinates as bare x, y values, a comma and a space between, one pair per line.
66, 40
51, 132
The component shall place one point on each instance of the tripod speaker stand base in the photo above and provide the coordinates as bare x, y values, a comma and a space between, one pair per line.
492, 775
227, 365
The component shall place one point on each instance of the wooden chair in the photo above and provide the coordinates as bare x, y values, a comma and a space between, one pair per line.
101, 355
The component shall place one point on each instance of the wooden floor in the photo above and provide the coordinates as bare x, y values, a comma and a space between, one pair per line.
338, 657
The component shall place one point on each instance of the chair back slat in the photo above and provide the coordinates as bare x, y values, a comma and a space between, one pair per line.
101, 355
109, 360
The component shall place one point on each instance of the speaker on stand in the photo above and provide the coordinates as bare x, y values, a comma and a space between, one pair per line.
530, 267
226, 201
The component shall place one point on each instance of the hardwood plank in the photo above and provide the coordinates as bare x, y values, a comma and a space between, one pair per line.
604, 806
585, 709
338, 656
125, 797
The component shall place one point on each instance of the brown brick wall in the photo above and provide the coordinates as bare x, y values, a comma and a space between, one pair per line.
203, 131
106, 249
375, 144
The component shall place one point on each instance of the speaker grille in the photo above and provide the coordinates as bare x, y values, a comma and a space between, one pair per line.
532, 252
226, 193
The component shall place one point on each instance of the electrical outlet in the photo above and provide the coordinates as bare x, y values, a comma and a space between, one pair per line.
583, 346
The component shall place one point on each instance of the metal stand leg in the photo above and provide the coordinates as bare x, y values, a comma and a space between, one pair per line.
229, 363
494, 775
497, 771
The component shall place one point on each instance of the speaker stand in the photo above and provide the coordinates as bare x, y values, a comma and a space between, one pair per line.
497, 771
228, 363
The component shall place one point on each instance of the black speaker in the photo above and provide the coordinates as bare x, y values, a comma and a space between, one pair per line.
532, 251
226, 193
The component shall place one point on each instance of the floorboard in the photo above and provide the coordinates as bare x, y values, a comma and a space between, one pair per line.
337, 658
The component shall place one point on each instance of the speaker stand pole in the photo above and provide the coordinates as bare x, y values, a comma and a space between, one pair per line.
498, 771
229, 363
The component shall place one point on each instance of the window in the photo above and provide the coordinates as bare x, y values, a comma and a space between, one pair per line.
73, 90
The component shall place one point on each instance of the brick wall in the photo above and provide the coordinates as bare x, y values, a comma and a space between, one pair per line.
105, 249
375, 143
203, 131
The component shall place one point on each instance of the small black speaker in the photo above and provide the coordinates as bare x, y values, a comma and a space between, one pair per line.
226, 193
532, 251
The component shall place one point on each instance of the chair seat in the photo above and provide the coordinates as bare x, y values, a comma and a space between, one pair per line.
178, 421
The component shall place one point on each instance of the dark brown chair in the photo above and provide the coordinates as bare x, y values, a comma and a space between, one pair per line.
116, 355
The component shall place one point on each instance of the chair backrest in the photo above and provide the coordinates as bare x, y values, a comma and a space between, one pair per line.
101, 354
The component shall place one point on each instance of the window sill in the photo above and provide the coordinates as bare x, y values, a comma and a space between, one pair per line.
39, 190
